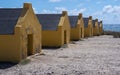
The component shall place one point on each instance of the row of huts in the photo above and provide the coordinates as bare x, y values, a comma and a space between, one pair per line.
23, 33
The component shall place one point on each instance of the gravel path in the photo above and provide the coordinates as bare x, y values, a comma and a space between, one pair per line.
98, 55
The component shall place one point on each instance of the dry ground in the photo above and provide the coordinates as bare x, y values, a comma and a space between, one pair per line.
98, 55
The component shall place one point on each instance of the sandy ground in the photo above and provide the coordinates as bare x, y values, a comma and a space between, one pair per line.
98, 55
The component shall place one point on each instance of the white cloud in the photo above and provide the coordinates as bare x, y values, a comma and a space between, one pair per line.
35, 10
60, 9
56, 10
46, 11
70, 12
54, 0
116, 9
111, 9
109, 13
107, 9
76, 11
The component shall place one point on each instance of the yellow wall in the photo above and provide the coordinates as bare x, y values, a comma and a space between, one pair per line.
101, 28
56, 38
10, 49
91, 28
96, 29
88, 32
78, 32
64, 22
52, 38
13, 48
75, 33
82, 27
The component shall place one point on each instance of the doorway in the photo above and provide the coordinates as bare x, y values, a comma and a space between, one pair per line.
65, 38
81, 33
29, 44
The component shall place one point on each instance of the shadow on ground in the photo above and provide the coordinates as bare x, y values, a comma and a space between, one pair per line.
55, 48
5, 65
51, 48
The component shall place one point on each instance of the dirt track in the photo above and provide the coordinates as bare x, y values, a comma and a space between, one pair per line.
98, 55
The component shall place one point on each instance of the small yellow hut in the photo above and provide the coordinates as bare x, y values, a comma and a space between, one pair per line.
88, 27
77, 27
95, 27
100, 27
55, 29
20, 33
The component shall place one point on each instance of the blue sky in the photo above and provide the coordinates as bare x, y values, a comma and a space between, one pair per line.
106, 10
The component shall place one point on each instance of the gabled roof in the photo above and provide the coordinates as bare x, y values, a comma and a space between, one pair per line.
86, 20
8, 19
93, 22
73, 21
49, 21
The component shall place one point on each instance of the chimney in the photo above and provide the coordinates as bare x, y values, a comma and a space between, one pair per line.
90, 17
96, 20
64, 13
27, 5
80, 15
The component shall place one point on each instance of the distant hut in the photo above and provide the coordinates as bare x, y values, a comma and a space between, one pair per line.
20, 33
55, 29
95, 27
88, 28
100, 27
77, 27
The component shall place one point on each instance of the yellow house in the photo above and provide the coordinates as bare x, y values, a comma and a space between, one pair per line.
100, 28
77, 27
55, 29
95, 27
20, 33
88, 27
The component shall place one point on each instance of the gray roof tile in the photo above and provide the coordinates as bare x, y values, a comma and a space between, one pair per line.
85, 22
73, 21
8, 19
49, 21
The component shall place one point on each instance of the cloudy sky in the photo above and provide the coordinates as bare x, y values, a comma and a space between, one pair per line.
106, 10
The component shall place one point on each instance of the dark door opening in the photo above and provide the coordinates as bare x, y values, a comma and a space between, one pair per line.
29, 44
65, 38
81, 34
